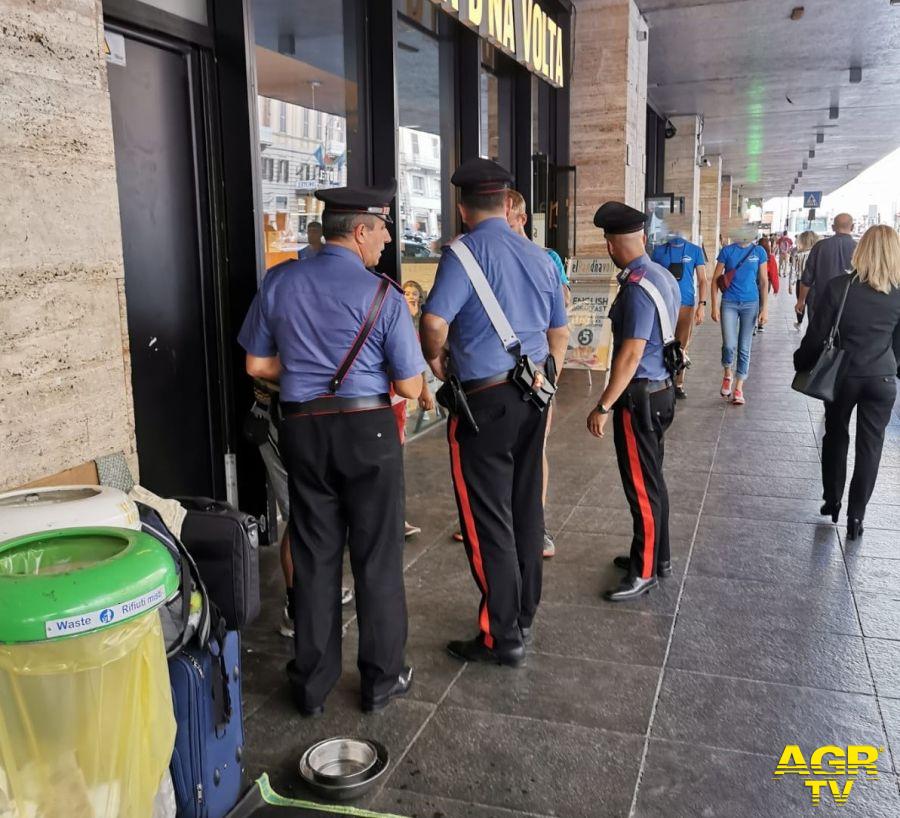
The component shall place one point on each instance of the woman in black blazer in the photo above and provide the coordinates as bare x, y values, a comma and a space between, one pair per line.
870, 336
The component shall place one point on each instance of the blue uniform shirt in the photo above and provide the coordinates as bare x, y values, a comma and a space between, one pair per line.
690, 256
633, 314
745, 286
526, 284
309, 313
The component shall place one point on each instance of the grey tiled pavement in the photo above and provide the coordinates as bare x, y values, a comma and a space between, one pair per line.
773, 630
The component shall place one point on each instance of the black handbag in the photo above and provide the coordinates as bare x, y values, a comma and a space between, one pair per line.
821, 381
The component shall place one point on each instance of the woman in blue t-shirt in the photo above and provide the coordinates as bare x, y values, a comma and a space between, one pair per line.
742, 278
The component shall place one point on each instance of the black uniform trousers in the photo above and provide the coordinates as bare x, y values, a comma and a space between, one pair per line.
345, 473
873, 396
497, 477
640, 452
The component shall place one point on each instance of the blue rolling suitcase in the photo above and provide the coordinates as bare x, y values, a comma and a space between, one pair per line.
207, 765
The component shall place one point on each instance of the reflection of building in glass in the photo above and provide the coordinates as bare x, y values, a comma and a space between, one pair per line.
419, 185
301, 150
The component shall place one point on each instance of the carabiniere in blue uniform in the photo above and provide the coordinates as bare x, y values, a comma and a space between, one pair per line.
336, 336
642, 401
496, 468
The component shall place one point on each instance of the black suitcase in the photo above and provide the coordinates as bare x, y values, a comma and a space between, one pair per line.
224, 542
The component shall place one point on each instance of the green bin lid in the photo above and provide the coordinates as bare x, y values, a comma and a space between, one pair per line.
71, 581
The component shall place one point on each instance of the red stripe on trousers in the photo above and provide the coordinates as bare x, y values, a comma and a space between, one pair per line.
484, 621
637, 477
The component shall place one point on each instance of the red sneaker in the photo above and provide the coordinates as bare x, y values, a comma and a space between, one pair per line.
726, 387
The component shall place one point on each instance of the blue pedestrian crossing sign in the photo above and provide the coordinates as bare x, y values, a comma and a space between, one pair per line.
812, 198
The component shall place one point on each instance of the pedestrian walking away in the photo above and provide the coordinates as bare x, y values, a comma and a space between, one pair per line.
487, 277
827, 259
639, 395
337, 337
869, 335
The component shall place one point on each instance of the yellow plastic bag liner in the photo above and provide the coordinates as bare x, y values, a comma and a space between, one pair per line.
86, 723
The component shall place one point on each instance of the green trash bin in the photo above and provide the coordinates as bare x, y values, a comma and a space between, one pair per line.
86, 721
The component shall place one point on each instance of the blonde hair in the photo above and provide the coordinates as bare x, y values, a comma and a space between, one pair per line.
806, 240
516, 201
877, 258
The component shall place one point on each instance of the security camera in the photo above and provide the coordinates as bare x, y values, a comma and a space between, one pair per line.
670, 130
705, 162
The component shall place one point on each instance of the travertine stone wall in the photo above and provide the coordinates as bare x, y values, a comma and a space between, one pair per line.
725, 204
710, 205
65, 386
608, 120
682, 176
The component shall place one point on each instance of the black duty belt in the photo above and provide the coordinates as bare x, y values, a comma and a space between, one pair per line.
478, 384
654, 386
334, 405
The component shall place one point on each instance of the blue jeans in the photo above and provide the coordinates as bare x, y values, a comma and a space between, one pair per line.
738, 322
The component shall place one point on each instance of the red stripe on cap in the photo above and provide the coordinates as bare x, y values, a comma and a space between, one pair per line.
637, 477
459, 483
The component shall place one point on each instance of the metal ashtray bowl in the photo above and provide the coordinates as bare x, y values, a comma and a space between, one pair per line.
341, 769
341, 760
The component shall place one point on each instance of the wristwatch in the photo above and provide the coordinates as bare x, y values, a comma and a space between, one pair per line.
702, 303
602, 409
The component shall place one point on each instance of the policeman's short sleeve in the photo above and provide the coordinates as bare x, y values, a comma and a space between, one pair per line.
255, 336
558, 317
402, 353
638, 313
451, 289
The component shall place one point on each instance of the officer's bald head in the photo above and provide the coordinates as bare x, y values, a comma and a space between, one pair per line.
623, 248
843, 223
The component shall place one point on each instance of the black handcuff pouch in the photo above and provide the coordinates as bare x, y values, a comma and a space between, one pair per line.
523, 376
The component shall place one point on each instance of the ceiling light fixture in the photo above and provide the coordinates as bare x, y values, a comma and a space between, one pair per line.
833, 112
805, 164
812, 154
797, 12
855, 74
820, 137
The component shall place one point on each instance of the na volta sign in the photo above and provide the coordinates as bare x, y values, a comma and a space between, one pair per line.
520, 28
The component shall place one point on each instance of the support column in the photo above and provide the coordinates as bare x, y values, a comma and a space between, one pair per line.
682, 176
710, 205
725, 207
608, 112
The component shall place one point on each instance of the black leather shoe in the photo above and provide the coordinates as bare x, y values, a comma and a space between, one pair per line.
473, 650
663, 568
401, 688
527, 636
832, 510
854, 528
680, 394
631, 589
312, 712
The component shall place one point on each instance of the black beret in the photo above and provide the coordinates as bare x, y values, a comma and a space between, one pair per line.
616, 218
374, 201
481, 176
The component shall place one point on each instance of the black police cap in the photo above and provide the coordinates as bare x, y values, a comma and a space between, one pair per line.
617, 218
369, 200
481, 176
